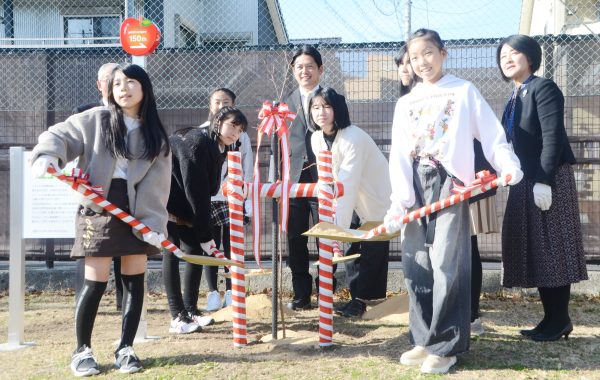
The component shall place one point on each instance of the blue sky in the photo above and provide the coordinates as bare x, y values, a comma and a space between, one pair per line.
381, 20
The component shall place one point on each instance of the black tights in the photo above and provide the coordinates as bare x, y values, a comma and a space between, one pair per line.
133, 302
89, 301
86, 310
556, 308
179, 303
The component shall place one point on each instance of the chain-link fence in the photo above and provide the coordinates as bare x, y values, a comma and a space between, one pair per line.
51, 50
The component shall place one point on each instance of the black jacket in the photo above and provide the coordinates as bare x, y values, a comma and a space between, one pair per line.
85, 107
299, 139
540, 139
197, 163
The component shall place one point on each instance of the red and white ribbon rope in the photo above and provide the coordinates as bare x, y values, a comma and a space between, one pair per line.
297, 190
326, 211
83, 187
235, 198
484, 182
214, 252
274, 119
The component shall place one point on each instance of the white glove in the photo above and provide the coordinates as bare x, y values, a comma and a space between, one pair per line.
516, 175
209, 247
154, 239
542, 196
393, 224
248, 207
40, 166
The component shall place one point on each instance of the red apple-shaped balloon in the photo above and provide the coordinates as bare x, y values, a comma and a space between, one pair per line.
139, 36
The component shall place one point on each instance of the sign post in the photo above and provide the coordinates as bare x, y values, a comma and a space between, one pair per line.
16, 285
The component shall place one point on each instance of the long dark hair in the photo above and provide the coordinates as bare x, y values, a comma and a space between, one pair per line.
153, 131
341, 116
226, 112
237, 118
398, 58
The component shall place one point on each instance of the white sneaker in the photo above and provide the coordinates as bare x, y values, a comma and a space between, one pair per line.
438, 364
213, 301
201, 319
84, 363
416, 356
477, 327
127, 361
227, 299
183, 324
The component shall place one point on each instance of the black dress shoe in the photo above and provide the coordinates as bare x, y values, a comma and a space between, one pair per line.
340, 309
536, 330
356, 308
553, 336
300, 304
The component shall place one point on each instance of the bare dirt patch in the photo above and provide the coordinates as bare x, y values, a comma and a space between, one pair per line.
364, 349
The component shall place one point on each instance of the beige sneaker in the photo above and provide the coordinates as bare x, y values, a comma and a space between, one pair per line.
416, 356
438, 364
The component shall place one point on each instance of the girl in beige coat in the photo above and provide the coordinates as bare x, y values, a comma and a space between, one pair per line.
124, 148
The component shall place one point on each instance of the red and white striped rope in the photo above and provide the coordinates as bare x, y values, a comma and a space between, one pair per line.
88, 191
235, 198
326, 247
297, 190
485, 182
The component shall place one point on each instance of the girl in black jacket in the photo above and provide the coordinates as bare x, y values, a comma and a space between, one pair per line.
197, 160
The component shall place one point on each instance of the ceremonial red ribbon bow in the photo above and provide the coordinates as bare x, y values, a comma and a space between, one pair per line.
79, 177
274, 118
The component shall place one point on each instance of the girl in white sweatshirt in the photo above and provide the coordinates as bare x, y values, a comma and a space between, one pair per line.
432, 146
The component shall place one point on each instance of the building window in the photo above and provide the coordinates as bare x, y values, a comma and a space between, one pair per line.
87, 29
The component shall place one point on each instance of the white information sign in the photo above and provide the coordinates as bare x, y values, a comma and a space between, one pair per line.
49, 205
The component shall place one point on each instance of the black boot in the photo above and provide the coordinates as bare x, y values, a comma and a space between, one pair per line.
559, 324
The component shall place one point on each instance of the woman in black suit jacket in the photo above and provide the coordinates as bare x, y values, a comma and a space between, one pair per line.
541, 236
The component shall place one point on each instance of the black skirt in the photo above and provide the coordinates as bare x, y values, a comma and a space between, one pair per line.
105, 235
543, 249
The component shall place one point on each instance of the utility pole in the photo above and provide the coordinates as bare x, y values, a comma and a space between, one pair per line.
406, 19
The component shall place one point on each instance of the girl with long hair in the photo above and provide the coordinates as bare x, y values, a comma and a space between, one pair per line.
125, 150
198, 158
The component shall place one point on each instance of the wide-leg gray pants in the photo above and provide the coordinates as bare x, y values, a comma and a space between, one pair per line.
438, 277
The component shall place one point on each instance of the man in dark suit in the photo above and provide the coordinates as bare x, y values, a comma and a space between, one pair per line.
102, 85
307, 67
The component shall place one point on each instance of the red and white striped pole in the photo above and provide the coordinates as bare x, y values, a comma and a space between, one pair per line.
326, 212
235, 198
